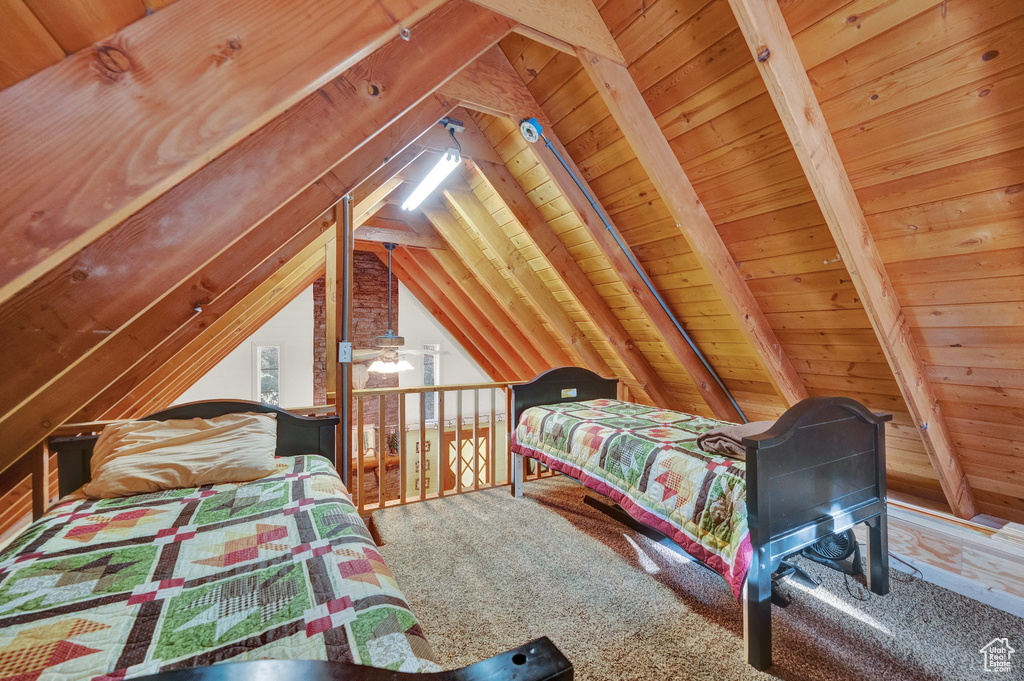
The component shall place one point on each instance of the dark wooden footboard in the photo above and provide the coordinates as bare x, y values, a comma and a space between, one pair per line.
296, 435
538, 660
819, 469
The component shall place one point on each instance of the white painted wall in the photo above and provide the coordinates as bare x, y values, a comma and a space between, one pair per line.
234, 376
456, 366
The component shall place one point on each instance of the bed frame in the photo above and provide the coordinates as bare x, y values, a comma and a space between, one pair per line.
538, 660
296, 435
819, 469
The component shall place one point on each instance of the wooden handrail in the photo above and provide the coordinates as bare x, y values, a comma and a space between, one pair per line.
369, 392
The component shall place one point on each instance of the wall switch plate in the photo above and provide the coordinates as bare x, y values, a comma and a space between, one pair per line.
344, 352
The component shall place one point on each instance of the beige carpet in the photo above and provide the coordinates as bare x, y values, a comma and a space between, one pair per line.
485, 572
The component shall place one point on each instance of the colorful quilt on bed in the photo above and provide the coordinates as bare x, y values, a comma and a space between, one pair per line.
647, 460
281, 567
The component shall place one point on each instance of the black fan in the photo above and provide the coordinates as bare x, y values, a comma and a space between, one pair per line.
835, 551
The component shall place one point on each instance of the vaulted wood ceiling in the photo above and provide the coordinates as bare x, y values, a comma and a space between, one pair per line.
861, 181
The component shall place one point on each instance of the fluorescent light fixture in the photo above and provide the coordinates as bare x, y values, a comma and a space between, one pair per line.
442, 170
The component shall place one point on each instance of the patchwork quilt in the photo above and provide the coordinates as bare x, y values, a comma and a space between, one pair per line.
281, 568
647, 460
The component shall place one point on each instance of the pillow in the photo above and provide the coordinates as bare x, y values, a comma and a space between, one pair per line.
136, 457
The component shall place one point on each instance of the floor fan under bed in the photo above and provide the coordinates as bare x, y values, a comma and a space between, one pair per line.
839, 551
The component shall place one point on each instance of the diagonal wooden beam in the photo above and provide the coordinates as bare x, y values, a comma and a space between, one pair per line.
166, 95
474, 258
196, 359
98, 291
507, 325
128, 355
492, 86
576, 22
383, 235
465, 203
449, 318
507, 188
638, 125
772, 47
475, 311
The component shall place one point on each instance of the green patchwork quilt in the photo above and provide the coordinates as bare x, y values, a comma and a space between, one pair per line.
282, 567
648, 461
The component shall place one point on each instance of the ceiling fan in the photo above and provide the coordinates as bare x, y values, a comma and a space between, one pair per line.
385, 356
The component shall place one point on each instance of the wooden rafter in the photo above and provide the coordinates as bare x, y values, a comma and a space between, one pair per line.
449, 318
508, 326
466, 204
370, 232
268, 56
503, 183
473, 256
576, 22
492, 86
126, 355
197, 358
771, 45
505, 348
626, 103
95, 293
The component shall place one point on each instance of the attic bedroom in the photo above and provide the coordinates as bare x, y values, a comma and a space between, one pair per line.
507, 339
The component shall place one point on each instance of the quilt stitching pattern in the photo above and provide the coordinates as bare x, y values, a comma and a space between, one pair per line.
282, 568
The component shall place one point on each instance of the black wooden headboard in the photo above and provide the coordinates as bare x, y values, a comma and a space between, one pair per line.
564, 384
296, 435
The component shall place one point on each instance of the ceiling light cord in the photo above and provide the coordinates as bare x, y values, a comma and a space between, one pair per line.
643, 275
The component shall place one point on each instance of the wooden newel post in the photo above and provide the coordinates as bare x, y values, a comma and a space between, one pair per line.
40, 480
344, 247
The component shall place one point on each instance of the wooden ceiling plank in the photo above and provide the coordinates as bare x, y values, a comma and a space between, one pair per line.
501, 180
167, 95
98, 290
244, 319
501, 89
771, 46
465, 203
114, 400
27, 47
576, 22
627, 106
53, 401
509, 326
478, 314
470, 253
448, 315
78, 24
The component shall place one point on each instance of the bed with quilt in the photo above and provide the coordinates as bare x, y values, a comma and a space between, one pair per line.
277, 568
819, 469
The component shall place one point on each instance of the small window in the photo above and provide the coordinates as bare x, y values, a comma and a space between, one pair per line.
431, 376
268, 374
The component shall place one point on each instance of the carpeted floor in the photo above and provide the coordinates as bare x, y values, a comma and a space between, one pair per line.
485, 573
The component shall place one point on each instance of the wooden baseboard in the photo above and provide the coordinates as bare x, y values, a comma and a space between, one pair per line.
975, 559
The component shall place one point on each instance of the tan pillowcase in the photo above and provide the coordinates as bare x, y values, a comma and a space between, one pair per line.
136, 457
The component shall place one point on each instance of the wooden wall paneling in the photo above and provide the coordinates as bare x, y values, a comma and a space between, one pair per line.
122, 395
468, 205
227, 333
289, 49
627, 105
557, 255
26, 47
576, 22
451, 316
771, 43
95, 292
154, 329
78, 24
477, 311
470, 253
